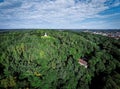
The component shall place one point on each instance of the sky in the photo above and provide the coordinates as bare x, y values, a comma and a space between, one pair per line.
60, 14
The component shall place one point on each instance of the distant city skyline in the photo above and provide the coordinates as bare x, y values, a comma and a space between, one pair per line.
60, 14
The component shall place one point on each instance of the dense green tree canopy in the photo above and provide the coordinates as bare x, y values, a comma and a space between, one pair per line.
28, 59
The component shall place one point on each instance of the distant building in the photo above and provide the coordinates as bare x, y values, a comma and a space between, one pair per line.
45, 34
83, 63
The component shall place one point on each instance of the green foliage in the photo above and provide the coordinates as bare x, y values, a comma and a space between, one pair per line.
30, 60
8, 82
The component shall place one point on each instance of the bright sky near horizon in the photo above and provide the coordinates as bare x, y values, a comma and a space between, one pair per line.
56, 14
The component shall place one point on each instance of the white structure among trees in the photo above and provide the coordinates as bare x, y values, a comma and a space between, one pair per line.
45, 34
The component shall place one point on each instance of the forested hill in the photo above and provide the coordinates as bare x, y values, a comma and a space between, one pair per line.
30, 60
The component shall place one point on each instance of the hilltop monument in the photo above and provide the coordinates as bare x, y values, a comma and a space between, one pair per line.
45, 34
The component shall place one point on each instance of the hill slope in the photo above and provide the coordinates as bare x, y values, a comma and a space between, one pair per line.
30, 60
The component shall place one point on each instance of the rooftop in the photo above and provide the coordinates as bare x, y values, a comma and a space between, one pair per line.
83, 63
